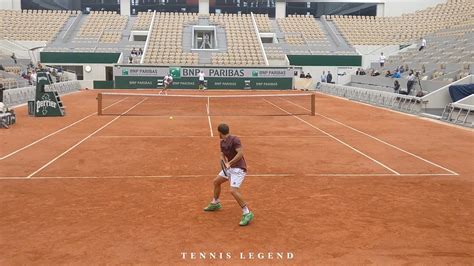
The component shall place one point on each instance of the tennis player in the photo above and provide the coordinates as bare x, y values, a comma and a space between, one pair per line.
233, 156
201, 80
167, 82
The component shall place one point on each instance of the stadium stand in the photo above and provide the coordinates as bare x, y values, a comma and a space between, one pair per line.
100, 23
166, 40
449, 55
143, 21
263, 22
408, 28
110, 37
17, 25
274, 52
301, 30
243, 46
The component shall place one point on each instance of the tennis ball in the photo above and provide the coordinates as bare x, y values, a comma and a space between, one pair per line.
171, 117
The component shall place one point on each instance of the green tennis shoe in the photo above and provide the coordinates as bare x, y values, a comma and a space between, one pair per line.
213, 207
246, 218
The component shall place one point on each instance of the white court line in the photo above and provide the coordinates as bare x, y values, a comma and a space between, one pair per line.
209, 117
379, 140
380, 175
400, 112
55, 132
212, 175
206, 136
84, 139
338, 140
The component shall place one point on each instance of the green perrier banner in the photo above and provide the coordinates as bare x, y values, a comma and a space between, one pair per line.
46, 103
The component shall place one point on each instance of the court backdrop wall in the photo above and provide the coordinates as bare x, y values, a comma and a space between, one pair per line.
151, 77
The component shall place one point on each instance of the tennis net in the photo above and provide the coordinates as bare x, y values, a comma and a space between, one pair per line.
136, 104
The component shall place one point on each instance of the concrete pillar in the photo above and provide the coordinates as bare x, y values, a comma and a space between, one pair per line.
203, 7
10, 4
16, 4
380, 10
280, 8
125, 7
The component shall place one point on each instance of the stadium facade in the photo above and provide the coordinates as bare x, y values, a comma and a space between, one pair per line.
274, 8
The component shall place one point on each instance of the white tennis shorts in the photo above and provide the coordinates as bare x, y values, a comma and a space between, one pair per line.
237, 176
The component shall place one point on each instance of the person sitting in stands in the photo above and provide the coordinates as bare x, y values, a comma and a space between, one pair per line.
396, 86
302, 75
134, 52
308, 76
140, 51
376, 73
388, 74
13, 57
397, 74
423, 44
362, 72
402, 69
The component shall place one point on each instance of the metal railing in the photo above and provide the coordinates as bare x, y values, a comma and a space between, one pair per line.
400, 102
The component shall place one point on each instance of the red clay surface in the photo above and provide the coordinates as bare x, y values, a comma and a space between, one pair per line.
352, 185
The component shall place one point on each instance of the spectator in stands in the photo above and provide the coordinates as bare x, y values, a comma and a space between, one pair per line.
362, 72
396, 86
397, 74
1, 92
375, 73
302, 75
323, 77
358, 71
134, 52
33, 78
388, 74
382, 60
308, 76
13, 57
130, 59
329, 77
140, 51
411, 82
401, 69
2, 68
423, 44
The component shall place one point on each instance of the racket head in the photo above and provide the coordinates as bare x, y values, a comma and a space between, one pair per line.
224, 169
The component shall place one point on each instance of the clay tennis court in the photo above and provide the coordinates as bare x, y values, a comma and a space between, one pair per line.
353, 184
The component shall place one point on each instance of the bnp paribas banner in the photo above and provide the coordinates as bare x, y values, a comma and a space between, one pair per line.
186, 72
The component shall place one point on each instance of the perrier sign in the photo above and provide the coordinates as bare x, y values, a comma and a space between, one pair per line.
47, 103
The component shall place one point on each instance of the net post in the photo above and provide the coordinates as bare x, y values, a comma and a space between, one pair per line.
99, 103
313, 104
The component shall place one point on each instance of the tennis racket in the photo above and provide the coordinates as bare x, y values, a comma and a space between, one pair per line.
224, 168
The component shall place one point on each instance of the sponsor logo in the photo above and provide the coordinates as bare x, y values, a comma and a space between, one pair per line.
44, 104
226, 72
175, 72
125, 72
